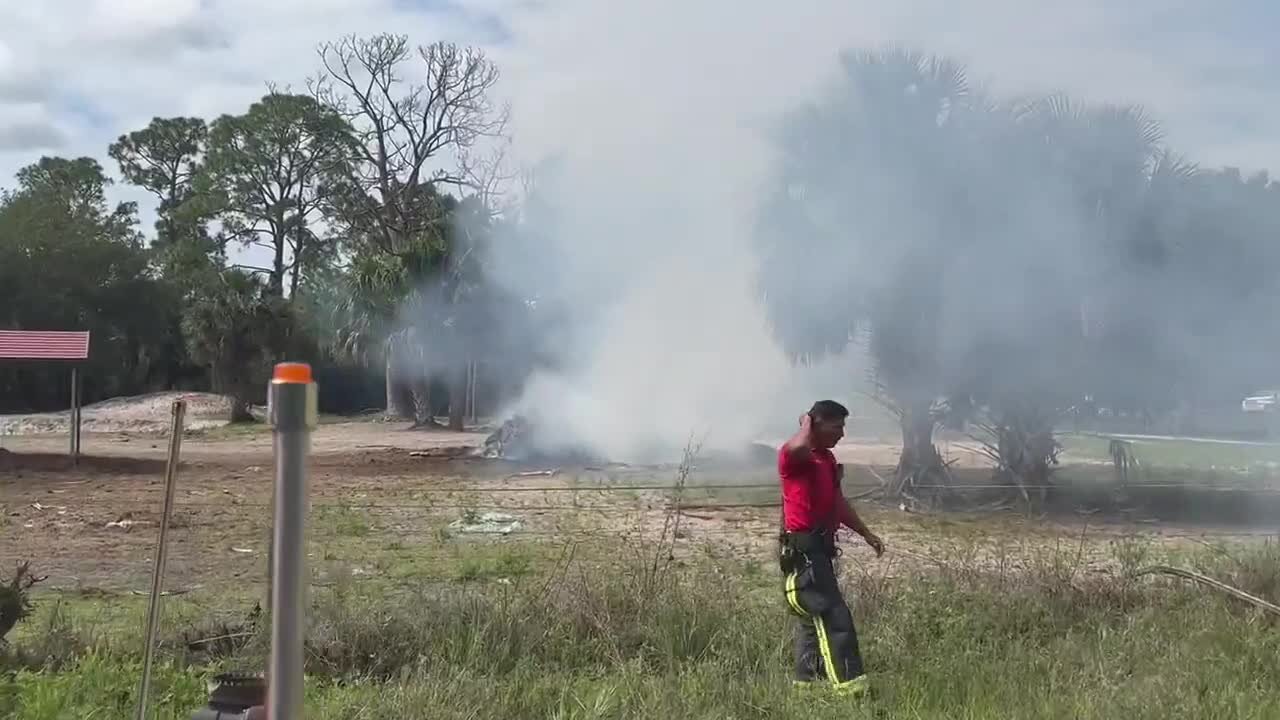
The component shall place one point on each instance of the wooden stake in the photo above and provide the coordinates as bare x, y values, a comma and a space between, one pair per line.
162, 547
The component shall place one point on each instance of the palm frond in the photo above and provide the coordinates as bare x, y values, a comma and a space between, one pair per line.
1172, 167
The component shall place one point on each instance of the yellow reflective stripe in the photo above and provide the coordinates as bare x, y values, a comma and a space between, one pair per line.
791, 595
856, 687
824, 645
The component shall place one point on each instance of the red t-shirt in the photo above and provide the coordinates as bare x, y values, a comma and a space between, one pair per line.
810, 493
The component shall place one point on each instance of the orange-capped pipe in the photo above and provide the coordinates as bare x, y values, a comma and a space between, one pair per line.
292, 372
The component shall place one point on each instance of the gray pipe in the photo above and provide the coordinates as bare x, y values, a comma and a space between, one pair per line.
293, 413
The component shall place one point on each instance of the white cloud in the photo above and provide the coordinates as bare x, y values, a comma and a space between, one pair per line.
31, 135
106, 67
28, 125
129, 60
134, 18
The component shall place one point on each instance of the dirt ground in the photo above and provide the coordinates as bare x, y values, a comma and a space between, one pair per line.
95, 524
384, 497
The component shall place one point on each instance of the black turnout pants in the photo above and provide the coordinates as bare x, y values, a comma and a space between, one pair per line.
826, 642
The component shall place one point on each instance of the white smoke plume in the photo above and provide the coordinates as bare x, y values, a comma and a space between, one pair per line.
661, 146
656, 122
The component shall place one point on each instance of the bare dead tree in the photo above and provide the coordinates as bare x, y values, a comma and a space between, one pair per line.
419, 118
423, 120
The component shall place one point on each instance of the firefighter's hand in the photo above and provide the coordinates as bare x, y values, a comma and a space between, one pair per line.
875, 542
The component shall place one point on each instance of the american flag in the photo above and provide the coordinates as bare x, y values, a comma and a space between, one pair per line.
43, 345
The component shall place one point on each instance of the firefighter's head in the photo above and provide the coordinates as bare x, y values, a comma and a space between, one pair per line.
828, 418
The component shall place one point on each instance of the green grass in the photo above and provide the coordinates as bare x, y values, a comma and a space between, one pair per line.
1179, 454
341, 521
514, 638
231, 431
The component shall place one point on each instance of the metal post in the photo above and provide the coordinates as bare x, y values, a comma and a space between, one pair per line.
79, 414
162, 552
293, 411
74, 425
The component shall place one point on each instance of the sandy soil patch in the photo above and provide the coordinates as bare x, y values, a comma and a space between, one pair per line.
139, 414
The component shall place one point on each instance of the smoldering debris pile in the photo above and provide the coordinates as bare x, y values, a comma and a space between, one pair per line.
518, 440
525, 441
510, 439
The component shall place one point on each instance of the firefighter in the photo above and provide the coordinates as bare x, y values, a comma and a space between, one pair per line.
813, 508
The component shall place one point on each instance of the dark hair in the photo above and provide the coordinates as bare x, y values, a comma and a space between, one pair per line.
829, 410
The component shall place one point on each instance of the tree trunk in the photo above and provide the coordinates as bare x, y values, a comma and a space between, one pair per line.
424, 415
389, 385
458, 397
294, 278
919, 463
240, 409
396, 405
473, 392
275, 283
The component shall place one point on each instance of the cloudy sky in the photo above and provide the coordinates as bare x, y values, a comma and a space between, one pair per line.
75, 74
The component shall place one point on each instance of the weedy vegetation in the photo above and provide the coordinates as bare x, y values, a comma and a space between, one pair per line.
542, 635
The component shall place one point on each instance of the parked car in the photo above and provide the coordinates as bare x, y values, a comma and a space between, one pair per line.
1264, 402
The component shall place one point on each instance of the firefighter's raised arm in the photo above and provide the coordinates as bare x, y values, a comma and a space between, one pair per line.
799, 448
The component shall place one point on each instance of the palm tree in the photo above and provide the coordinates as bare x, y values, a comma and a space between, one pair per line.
415, 309
234, 328
872, 181
365, 319
1129, 194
